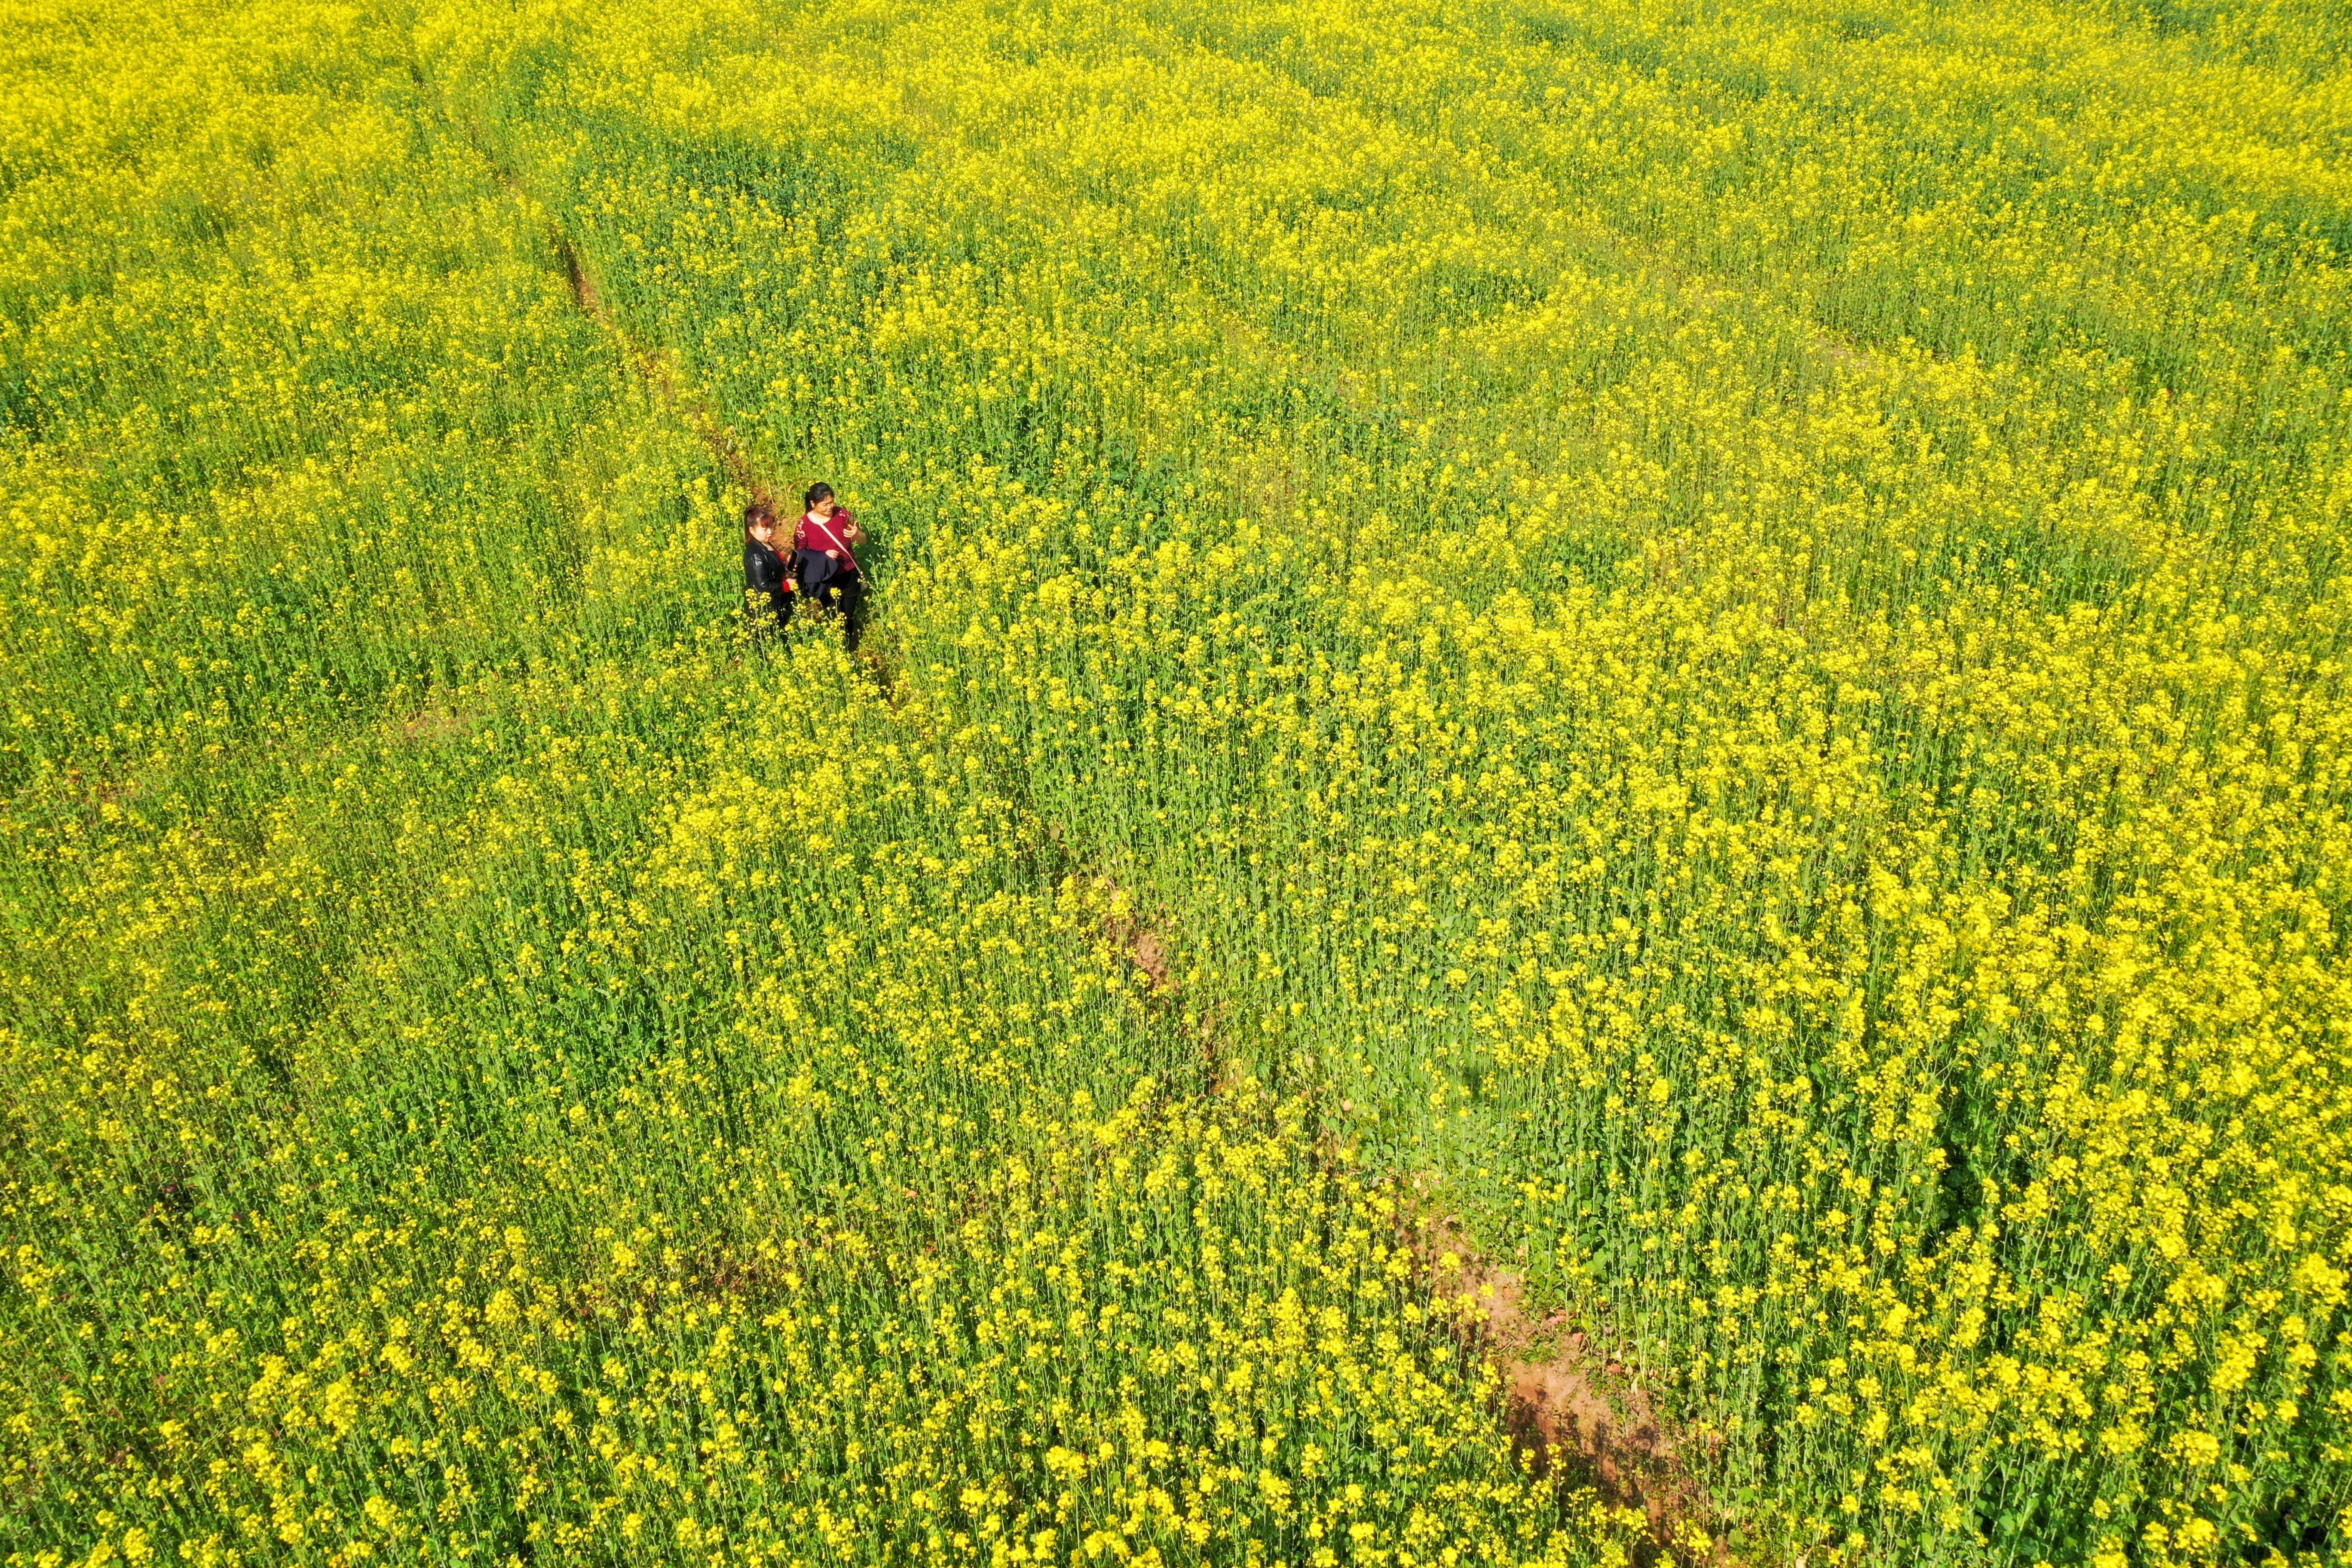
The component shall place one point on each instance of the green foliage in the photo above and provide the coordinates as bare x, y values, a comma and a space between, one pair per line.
1722, 631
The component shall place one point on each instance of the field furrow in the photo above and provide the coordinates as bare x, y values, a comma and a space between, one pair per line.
1596, 810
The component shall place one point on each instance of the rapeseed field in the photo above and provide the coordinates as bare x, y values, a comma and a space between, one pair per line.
1699, 649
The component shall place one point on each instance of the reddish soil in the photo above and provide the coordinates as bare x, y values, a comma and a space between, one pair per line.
102, 791
431, 726
1131, 935
1574, 1412
1148, 951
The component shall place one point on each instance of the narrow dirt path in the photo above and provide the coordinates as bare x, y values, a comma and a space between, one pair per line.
661, 371
1574, 1411
660, 368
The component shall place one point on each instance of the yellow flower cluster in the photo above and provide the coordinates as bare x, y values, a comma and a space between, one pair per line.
1729, 629
1720, 631
498, 1072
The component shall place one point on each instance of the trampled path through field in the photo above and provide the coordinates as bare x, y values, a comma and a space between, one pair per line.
1572, 1411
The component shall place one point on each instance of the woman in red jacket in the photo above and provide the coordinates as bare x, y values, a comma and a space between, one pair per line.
824, 560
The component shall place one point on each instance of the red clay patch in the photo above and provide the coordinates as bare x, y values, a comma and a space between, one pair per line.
1572, 1412
1131, 934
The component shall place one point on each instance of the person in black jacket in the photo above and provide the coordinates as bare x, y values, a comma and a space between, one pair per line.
768, 585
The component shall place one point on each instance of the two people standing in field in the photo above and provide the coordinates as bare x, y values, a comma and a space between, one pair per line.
822, 571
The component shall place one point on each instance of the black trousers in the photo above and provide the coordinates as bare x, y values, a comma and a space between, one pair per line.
849, 596
844, 592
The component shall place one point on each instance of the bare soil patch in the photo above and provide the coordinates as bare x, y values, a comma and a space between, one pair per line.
433, 724
1135, 935
1574, 1412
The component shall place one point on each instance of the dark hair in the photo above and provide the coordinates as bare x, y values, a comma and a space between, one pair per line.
816, 493
759, 511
